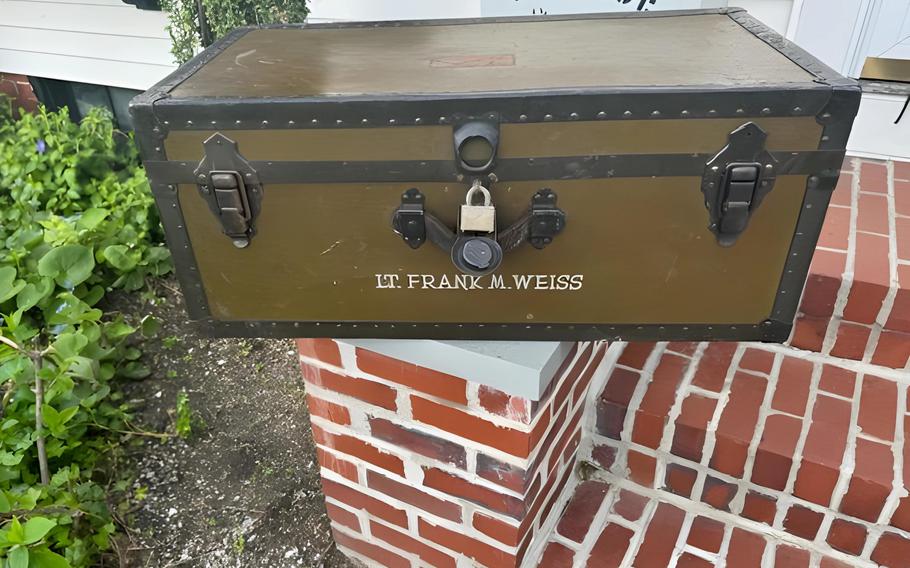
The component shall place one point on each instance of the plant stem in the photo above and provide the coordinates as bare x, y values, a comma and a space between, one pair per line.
39, 419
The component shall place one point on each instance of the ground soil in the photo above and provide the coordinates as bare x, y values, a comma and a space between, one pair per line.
243, 489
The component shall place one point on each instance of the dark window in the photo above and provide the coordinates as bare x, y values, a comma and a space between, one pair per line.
79, 98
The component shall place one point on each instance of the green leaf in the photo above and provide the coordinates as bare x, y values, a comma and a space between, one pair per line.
18, 557
33, 293
36, 528
121, 257
5, 506
150, 326
69, 344
68, 265
9, 286
47, 559
91, 218
16, 535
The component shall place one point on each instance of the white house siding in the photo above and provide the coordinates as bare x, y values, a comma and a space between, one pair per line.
105, 42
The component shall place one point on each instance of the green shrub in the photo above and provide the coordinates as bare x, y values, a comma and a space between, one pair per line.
76, 221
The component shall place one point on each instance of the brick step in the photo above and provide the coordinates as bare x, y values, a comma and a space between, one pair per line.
731, 451
856, 303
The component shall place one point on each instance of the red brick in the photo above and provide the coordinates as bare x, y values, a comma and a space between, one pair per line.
378, 553
902, 225
745, 550
843, 193
630, 506
892, 551
864, 302
508, 475
837, 380
902, 198
680, 479
343, 517
546, 498
469, 426
580, 374
836, 229
713, 366
737, 424
581, 386
872, 213
418, 442
759, 507
556, 556
463, 489
803, 522
824, 450
871, 481
418, 378
660, 537
413, 496
352, 446
790, 557
357, 500
873, 176
328, 410
613, 402
564, 442
586, 501
610, 548
878, 407
892, 350
809, 333
428, 554
688, 560
847, 537
361, 389
604, 455
828, 562
902, 171
692, 426
324, 350
775, 452
899, 319
651, 417
851, 341
683, 347
503, 404
823, 284
635, 354
706, 534
718, 493
901, 517
494, 528
757, 360
341, 467
792, 392
569, 451
641, 468
485, 554
871, 263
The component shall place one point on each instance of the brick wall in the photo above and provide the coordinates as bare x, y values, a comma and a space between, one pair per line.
423, 468
19, 90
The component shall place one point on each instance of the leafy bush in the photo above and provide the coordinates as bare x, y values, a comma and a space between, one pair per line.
76, 221
190, 31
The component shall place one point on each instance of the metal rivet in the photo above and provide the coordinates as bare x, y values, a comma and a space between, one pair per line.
523, 118
314, 122
265, 122
548, 117
797, 109
627, 113
826, 115
442, 120
740, 111
573, 116
769, 167
339, 122
166, 122
158, 148
392, 121
766, 110
291, 123
156, 130
418, 120
712, 112
237, 122
684, 113
826, 138
364, 121
189, 122
655, 113
601, 115
214, 122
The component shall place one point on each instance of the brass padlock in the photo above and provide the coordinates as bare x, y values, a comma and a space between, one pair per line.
477, 218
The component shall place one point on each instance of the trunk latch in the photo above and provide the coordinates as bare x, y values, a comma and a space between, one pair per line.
231, 188
736, 180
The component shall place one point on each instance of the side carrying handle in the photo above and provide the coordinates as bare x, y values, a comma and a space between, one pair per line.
736, 181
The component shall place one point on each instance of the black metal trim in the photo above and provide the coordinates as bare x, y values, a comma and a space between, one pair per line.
512, 169
768, 331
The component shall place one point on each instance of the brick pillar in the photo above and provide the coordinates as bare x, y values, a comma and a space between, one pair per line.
423, 468
19, 90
